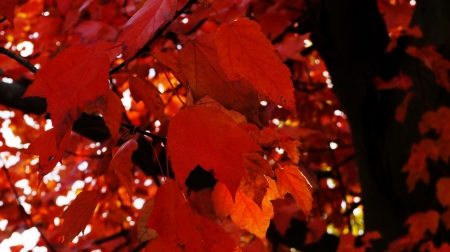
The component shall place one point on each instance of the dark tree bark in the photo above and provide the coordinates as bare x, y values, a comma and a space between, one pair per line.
351, 37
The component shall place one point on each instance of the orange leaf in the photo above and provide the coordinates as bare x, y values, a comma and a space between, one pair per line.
48, 151
419, 223
121, 164
144, 23
179, 229
442, 191
77, 215
203, 136
200, 65
222, 200
143, 90
291, 180
112, 109
245, 52
78, 74
247, 215
7, 9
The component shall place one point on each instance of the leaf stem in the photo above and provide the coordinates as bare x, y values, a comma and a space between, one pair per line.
19, 59
157, 34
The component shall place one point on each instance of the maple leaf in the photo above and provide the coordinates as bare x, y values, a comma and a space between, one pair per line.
145, 91
77, 215
201, 136
49, 152
434, 61
291, 180
254, 184
416, 167
222, 200
78, 74
204, 75
419, 223
248, 215
7, 9
245, 52
179, 229
144, 23
121, 164
442, 191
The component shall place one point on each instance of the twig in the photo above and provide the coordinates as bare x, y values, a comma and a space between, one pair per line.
2, 20
19, 59
170, 82
122, 233
25, 214
157, 34
134, 129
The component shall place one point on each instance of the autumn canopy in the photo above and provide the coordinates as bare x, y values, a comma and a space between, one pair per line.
222, 125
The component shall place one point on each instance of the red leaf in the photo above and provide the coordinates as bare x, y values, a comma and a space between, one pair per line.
77, 215
144, 91
203, 136
121, 164
421, 222
78, 74
112, 109
49, 152
144, 23
245, 52
200, 66
179, 229
291, 180
7, 9
442, 191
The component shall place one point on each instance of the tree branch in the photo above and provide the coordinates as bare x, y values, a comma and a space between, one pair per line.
157, 34
19, 59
